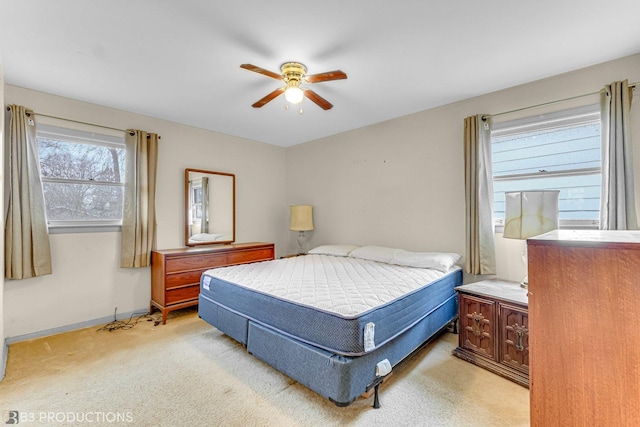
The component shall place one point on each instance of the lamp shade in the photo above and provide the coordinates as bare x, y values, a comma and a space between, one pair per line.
301, 218
529, 213
294, 95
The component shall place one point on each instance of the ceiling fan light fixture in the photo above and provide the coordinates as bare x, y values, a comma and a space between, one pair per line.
293, 74
293, 95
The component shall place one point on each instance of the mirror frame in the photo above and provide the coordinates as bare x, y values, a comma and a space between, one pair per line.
187, 207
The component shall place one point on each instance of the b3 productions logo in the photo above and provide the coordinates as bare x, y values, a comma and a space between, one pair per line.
11, 417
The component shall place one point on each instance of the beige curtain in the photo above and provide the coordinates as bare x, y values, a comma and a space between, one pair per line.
26, 241
139, 217
617, 210
478, 184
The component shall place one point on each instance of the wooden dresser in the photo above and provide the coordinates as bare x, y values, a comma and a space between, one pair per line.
584, 288
175, 273
493, 329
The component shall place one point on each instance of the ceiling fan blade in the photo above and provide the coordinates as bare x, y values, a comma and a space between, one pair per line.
261, 70
322, 103
268, 98
324, 77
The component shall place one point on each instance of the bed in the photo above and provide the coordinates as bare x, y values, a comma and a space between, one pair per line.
338, 319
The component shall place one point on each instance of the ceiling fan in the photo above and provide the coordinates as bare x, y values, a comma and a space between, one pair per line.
293, 74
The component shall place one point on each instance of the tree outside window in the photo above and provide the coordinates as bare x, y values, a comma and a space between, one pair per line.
82, 176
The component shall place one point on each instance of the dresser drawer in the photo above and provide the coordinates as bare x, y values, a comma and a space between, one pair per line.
180, 279
182, 294
194, 262
241, 257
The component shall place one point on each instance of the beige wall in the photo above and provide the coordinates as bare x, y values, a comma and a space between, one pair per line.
87, 283
401, 183
398, 183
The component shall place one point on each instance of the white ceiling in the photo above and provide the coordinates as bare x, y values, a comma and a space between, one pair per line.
180, 60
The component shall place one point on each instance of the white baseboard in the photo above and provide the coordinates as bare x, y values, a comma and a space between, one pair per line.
74, 326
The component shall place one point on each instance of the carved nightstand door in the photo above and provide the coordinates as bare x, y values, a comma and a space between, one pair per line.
514, 337
477, 326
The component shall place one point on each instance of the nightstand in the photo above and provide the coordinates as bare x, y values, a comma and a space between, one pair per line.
494, 328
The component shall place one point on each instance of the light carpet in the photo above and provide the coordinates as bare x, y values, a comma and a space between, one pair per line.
187, 373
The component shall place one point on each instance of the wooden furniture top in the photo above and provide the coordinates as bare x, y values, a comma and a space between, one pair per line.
594, 238
214, 248
499, 289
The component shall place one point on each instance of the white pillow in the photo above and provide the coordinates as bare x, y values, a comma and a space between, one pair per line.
335, 250
434, 260
375, 253
207, 237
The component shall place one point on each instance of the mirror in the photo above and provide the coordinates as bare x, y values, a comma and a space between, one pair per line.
210, 207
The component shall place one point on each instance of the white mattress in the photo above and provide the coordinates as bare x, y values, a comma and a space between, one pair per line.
344, 305
345, 286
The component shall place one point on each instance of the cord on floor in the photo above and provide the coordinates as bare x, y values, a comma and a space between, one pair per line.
115, 324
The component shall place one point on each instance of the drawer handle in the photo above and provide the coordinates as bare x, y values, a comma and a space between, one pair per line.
520, 332
477, 319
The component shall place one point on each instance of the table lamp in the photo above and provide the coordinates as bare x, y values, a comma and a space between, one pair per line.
528, 214
301, 220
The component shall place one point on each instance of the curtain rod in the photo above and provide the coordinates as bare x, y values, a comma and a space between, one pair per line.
486, 116
83, 123
78, 121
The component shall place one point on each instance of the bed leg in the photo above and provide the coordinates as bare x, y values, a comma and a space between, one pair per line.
376, 400
452, 326
376, 390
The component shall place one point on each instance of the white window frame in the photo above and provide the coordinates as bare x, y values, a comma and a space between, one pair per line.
545, 121
100, 138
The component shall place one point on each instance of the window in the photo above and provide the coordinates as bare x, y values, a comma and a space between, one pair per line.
82, 177
558, 151
196, 205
